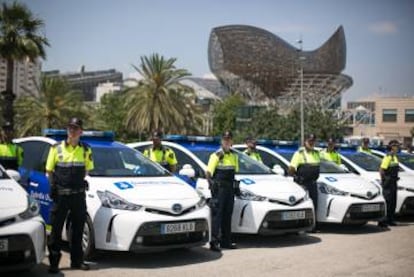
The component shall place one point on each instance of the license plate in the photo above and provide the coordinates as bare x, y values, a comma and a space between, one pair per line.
4, 245
371, 208
293, 215
173, 228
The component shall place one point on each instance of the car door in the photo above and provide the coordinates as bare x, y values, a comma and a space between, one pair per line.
33, 175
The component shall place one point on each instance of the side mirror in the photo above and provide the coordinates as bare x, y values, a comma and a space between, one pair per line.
344, 167
188, 171
278, 170
13, 174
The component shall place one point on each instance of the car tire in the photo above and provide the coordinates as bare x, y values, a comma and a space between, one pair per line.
88, 239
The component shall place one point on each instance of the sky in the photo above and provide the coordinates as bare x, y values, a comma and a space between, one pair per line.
104, 34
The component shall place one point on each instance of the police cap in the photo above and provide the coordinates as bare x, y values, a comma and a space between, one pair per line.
365, 140
250, 138
157, 134
227, 135
393, 142
76, 122
310, 137
331, 140
7, 126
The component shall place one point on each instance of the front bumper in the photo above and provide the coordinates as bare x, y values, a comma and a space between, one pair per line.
26, 244
141, 230
265, 217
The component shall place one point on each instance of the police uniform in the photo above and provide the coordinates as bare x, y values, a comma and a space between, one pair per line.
11, 155
389, 167
69, 165
364, 150
163, 155
254, 155
332, 156
222, 166
307, 163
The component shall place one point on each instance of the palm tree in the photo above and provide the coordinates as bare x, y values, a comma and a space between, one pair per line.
18, 42
55, 104
159, 101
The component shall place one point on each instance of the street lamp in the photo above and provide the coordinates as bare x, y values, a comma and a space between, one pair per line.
302, 125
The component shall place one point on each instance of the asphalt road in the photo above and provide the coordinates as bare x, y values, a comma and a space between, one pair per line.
335, 251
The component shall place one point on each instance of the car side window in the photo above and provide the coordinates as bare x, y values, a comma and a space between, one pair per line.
35, 155
270, 161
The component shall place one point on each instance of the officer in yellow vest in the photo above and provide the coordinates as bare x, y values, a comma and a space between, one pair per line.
221, 169
11, 155
389, 176
67, 165
251, 150
304, 166
330, 153
365, 146
163, 155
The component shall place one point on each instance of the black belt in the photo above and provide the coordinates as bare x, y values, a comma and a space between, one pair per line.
69, 191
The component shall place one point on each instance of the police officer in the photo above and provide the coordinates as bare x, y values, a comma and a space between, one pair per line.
67, 165
365, 146
163, 155
11, 155
304, 166
221, 169
389, 177
251, 150
330, 153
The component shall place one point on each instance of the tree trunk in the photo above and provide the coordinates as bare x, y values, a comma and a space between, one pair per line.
8, 95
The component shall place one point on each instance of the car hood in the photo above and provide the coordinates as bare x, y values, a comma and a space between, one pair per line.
271, 186
13, 199
351, 183
145, 191
406, 179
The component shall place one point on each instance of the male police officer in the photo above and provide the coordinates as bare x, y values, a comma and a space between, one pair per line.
330, 153
67, 165
221, 169
304, 166
389, 177
365, 146
251, 150
11, 155
158, 153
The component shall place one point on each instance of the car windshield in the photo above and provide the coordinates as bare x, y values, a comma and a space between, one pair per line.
406, 159
365, 161
325, 166
123, 162
246, 164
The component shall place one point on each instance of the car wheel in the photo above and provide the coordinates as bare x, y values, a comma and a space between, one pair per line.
88, 238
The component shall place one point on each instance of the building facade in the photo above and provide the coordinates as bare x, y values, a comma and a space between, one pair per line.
26, 77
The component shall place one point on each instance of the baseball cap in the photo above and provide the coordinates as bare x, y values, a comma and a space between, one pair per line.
74, 121
227, 134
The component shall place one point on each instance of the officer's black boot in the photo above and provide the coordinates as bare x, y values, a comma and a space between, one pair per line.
54, 258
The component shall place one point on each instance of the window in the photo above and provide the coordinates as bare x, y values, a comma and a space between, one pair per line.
35, 155
409, 115
389, 115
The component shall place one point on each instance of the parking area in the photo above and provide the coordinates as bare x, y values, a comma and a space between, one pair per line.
335, 251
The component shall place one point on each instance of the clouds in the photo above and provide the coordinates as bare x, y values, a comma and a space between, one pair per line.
383, 27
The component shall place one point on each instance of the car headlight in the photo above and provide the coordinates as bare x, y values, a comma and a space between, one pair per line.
327, 189
250, 196
202, 202
32, 210
113, 201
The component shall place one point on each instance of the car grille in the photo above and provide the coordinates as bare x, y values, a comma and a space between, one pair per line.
18, 245
287, 203
355, 213
152, 237
365, 197
408, 206
162, 212
274, 222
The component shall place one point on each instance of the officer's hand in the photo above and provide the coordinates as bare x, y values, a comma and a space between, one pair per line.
53, 193
86, 184
237, 192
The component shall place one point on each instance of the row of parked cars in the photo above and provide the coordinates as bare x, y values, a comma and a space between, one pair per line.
136, 205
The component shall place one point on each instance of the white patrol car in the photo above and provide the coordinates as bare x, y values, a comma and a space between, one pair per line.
22, 230
133, 204
367, 166
269, 203
343, 197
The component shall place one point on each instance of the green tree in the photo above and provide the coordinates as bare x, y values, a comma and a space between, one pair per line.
19, 41
160, 101
55, 103
225, 114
